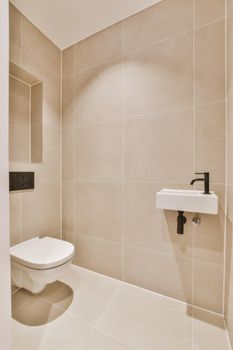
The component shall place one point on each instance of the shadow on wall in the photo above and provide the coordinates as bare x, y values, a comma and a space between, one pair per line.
43, 308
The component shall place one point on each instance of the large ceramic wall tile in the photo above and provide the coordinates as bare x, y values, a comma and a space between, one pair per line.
210, 140
49, 169
51, 91
229, 137
151, 228
160, 77
19, 146
208, 11
69, 237
38, 46
99, 152
101, 47
15, 54
99, 210
36, 143
99, 93
68, 56
68, 154
99, 255
68, 206
208, 286
210, 63
15, 18
229, 45
68, 90
41, 210
146, 268
157, 147
19, 101
15, 218
158, 22
209, 235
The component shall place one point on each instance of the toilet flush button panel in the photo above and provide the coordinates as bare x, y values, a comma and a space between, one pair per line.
187, 201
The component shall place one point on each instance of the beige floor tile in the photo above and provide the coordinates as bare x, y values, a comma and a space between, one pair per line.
66, 332
37, 312
208, 331
147, 321
91, 294
128, 318
100, 341
20, 298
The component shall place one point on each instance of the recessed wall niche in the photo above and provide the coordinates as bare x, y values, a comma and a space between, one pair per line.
25, 116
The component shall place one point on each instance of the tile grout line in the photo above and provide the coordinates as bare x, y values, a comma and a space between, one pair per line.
160, 252
226, 161
61, 144
123, 283
153, 43
123, 151
145, 115
227, 335
194, 156
74, 117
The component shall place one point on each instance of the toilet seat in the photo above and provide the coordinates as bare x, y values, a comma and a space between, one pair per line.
42, 253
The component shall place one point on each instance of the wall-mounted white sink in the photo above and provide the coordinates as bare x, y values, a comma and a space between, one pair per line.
186, 200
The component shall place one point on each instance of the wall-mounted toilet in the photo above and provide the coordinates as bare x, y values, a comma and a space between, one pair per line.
39, 261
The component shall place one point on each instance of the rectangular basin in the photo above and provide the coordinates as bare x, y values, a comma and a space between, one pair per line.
187, 201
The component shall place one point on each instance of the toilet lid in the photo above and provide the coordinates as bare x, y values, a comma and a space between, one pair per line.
42, 253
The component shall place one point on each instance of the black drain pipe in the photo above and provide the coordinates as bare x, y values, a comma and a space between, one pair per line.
181, 220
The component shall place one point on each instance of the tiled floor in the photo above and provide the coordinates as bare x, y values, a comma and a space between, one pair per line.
88, 311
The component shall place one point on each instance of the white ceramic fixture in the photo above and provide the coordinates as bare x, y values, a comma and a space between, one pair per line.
187, 200
39, 261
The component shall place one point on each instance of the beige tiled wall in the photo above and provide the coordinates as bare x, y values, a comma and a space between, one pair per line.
144, 108
229, 229
37, 212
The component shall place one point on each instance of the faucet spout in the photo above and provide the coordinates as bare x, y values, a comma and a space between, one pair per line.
206, 180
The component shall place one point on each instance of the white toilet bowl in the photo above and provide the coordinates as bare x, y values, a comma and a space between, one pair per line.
39, 261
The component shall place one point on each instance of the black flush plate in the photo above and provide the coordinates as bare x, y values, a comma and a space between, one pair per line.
21, 180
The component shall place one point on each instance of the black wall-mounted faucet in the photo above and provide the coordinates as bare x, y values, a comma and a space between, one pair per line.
206, 180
